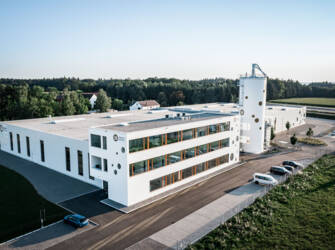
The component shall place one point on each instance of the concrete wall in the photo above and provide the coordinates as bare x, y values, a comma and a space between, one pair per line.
54, 150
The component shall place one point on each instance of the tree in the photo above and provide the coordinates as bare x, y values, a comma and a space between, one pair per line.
310, 132
272, 134
288, 125
162, 99
293, 139
103, 102
117, 104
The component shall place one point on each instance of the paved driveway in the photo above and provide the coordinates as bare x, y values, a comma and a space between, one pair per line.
52, 185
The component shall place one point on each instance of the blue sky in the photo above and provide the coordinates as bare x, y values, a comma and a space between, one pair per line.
182, 39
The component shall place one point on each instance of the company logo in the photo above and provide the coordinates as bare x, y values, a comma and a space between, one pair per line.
115, 137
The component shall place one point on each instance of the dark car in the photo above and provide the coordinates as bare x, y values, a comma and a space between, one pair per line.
76, 220
292, 164
279, 170
289, 168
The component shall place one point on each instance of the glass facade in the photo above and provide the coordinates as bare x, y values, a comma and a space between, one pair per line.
187, 172
163, 139
164, 160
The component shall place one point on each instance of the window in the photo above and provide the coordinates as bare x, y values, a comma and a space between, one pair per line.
96, 141
172, 137
187, 134
225, 143
140, 167
214, 146
174, 157
155, 184
137, 145
202, 131
212, 163
189, 153
28, 145
201, 167
42, 151
89, 164
158, 162
155, 141
67, 159
104, 142
11, 141
105, 165
224, 126
187, 172
212, 129
18, 143
80, 163
202, 149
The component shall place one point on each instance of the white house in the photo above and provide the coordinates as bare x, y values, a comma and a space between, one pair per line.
144, 105
136, 155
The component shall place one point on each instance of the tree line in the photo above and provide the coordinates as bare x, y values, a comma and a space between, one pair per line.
30, 98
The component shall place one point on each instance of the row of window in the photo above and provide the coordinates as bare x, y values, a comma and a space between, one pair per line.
164, 139
187, 172
18, 143
80, 162
164, 160
96, 141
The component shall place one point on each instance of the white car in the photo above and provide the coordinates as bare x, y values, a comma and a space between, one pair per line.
264, 179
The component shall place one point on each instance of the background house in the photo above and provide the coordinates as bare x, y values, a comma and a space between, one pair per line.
144, 105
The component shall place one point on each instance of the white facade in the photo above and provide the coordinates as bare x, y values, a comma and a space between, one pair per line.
252, 110
128, 190
93, 100
54, 151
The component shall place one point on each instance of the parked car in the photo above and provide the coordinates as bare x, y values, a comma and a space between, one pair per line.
76, 220
293, 164
279, 170
289, 168
264, 179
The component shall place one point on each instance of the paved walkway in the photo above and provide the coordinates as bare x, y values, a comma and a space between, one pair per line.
52, 185
199, 223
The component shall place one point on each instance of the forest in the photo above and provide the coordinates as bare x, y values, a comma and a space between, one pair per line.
31, 98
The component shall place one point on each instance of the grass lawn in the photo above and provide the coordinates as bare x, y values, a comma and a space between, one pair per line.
299, 214
314, 101
20, 206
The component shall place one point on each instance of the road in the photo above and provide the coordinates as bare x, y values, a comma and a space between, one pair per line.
118, 231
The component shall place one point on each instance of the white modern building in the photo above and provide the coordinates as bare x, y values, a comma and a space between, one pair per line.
137, 155
144, 105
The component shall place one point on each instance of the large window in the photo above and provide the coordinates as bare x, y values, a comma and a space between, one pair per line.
28, 145
187, 172
174, 157
137, 145
104, 142
163, 139
96, 141
18, 143
42, 151
89, 164
80, 163
11, 141
67, 159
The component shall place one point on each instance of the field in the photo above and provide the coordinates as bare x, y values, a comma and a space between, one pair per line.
298, 214
20, 206
315, 101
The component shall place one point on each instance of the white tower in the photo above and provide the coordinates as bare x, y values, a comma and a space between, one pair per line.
252, 102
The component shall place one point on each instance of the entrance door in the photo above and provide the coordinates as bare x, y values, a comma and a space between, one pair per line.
105, 186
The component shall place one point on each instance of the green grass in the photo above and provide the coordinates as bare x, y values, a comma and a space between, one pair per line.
299, 214
20, 206
313, 101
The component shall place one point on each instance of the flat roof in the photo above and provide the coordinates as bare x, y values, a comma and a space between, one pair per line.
77, 126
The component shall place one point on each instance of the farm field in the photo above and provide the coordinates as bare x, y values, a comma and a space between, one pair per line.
298, 214
20, 206
313, 101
